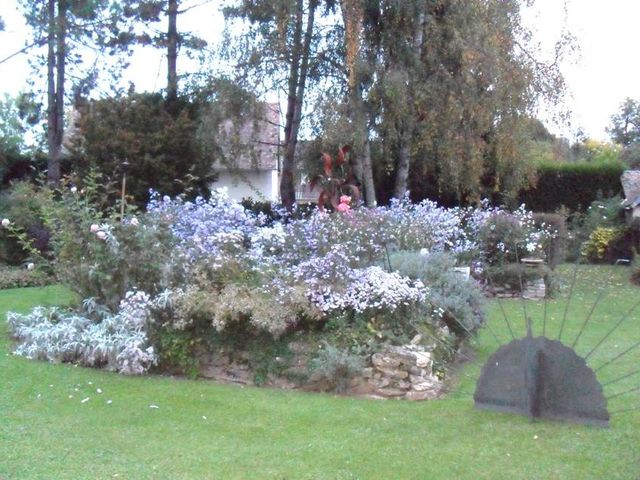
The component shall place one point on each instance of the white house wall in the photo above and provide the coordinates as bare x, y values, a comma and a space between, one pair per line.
261, 185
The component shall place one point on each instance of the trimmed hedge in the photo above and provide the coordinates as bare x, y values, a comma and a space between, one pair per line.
572, 185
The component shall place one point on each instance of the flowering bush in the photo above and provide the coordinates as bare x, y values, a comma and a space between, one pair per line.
427, 225
506, 237
94, 251
206, 228
336, 256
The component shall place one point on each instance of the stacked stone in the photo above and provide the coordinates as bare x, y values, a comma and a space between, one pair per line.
403, 372
535, 289
506, 291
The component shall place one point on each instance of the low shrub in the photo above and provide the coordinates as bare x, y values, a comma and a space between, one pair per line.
21, 204
268, 358
336, 366
514, 276
20, 277
273, 212
460, 301
367, 333
602, 213
175, 351
597, 248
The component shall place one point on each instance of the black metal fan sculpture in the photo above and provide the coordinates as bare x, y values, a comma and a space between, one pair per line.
542, 377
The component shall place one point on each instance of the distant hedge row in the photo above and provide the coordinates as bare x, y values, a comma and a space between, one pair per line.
573, 185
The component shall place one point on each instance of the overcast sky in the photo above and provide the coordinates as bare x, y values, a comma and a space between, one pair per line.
605, 72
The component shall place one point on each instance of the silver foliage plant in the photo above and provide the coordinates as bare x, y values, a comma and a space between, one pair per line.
117, 341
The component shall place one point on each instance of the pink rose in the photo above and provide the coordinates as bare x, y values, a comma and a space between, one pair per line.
94, 228
101, 235
345, 199
343, 207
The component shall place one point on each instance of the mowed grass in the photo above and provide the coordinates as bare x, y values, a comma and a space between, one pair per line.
206, 431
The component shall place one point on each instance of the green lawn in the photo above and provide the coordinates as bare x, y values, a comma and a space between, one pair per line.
204, 430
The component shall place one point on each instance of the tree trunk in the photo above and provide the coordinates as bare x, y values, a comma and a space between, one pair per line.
296, 87
53, 168
407, 127
172, 51
363, 167
402, 165
287, 188
352, 16
367, 173
55, 86
60, 74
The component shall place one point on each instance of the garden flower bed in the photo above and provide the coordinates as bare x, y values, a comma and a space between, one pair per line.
205, 286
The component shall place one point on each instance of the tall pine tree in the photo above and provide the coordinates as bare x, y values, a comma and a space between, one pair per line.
68, 29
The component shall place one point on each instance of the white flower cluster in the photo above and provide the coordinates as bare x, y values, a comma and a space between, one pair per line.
535, 235
268, 241
371, 288
118, 342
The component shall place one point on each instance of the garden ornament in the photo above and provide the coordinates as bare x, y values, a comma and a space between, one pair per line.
541, 377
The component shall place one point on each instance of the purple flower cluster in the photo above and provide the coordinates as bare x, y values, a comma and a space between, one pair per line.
336, 256
205, 227
427, 225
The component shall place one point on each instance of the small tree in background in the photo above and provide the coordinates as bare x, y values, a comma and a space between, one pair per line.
625, 130
625, 125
